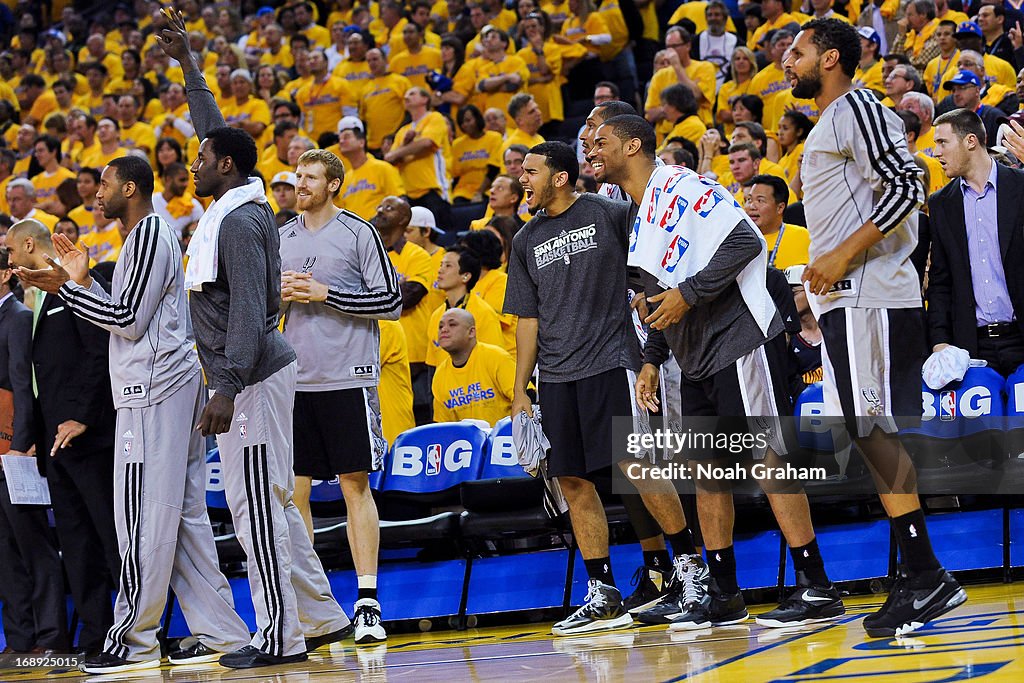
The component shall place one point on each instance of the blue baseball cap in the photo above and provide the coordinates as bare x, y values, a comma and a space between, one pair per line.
969, 28
871, 34
263, 11
962, 78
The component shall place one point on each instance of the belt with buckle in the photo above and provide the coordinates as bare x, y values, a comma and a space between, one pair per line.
996, 330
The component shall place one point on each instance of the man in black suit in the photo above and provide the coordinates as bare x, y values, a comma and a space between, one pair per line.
74, 437
976, 284
31, 583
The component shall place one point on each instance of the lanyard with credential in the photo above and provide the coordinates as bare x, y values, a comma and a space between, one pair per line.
775, 249
937, 81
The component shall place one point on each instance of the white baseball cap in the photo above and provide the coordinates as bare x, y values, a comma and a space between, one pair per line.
286, 177
423, 217
350, 122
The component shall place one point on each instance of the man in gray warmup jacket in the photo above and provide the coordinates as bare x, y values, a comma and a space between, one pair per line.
252, 372
160, 514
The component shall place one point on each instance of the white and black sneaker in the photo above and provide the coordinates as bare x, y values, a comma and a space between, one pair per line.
105, 663
602, 610
652, 587
808, 604
688, 585
192, 651
369, 628
714, 609
913, 602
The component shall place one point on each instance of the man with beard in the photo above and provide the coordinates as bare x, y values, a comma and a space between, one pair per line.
337, 282
159, 477
861, 281
730, 368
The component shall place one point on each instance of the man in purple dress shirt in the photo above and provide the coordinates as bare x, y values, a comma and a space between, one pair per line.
976, 284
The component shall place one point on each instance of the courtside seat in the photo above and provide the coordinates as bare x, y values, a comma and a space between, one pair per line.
504, 501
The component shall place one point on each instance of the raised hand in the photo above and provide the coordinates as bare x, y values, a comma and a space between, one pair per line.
174, 37
73, 260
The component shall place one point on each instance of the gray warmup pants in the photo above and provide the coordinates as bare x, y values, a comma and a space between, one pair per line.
290, 592
163, 530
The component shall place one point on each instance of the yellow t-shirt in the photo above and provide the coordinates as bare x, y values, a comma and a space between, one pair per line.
382, 107
356, 74
769, 83
720, 165
435, 297
702, 73
514, 137
926, 143
427, 171
793, 251
938, 71
93, 157
691, 128
283, 58
415, 67
728, 91
574, 29
936, 174
616, 23
43, 106
254, 109
82, 215
322, 104
872, 78
46, 184
488, 327
90, 104
470, 158
558, 12
548, 95
784, 102
102, 244
782, 20
47, 219
365, 187
491, 288
790, 163
481, 68
395, 388
1000, 71
413, 265
139, 136
318, 35
479, 390
181, 112
694, 11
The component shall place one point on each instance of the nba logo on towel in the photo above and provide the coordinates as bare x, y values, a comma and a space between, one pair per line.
947, 406
707, 203
434, 459
674, 254
675, 210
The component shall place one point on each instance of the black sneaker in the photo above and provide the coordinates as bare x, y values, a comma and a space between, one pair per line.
808, 604
652, 586
687, 587
707, 607
602, 610
250, 657
913, 602
105, 663
317, 642
192, 651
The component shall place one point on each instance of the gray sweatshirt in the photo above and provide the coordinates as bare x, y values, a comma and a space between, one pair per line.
146, 313
338, 340
235, 317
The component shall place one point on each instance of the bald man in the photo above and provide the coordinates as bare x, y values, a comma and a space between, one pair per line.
476, 380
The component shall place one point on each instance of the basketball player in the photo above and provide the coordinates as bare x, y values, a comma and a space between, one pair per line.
567, 284
730, 368
337, 281
861, 193
162, 525
234, 272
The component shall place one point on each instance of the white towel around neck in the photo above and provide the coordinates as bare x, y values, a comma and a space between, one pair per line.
202, 249
683, 220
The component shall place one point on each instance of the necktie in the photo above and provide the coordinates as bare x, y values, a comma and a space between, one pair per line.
36, 310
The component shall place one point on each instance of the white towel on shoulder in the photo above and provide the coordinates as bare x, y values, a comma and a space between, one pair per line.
202, 249
683, 220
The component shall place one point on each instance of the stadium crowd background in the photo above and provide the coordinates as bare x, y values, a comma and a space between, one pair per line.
432, 108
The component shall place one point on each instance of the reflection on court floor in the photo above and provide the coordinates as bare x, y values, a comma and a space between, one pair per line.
984, 640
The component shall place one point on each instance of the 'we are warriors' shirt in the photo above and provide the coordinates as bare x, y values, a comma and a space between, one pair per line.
569, 272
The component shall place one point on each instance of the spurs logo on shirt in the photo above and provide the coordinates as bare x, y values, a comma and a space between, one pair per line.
567, 243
